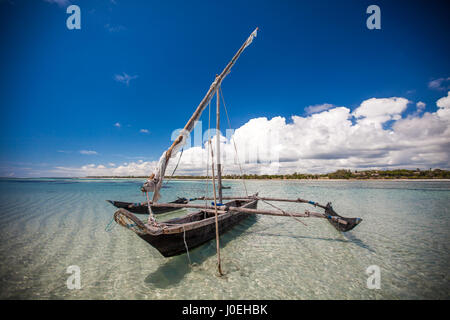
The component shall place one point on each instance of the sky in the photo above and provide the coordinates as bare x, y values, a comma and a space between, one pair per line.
316, 91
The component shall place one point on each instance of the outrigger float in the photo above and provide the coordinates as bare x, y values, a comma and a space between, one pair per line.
178, 235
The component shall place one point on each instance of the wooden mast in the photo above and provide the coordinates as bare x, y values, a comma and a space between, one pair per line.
190, 124
219, 266
219, 171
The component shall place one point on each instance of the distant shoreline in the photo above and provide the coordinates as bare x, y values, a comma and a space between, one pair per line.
342, 174
274, 179
339, 175
237, 180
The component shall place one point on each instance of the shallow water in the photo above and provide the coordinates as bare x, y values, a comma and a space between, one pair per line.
47, 225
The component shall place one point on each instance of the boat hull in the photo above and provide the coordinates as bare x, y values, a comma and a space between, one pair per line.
201, 229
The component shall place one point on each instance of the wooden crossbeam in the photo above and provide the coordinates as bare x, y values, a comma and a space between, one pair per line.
298, 200
223, 209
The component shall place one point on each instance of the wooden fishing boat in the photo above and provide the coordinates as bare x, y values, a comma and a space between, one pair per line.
174, 236
142, 207
178, 235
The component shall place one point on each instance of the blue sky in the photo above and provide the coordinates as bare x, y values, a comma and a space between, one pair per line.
62, 91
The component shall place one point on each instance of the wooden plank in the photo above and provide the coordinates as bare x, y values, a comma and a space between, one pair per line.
307, 214
182, 205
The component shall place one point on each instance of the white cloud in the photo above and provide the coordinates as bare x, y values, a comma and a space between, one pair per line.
444, 107
124, 78
318, 108
420, 106
439, 84
444, 102
322, 142
117, 124
378, 111
144, 131
127, 169
88, 152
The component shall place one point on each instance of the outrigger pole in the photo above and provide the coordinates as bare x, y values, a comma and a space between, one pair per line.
298, 200
340, 223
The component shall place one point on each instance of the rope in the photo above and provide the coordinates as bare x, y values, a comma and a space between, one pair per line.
108, 227
167, 180
129, 223
207, 155
234, 143
185, 244
151, 218
284, 212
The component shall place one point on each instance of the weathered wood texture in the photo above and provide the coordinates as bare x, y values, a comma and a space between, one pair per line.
196, 228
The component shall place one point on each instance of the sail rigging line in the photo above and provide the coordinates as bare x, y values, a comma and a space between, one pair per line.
207, 153
219, 266
108, 227
234, 143
154, 182
151, 218
219, 160
284, 212
173, 172
185, 244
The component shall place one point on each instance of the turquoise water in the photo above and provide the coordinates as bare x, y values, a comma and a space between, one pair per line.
47, 225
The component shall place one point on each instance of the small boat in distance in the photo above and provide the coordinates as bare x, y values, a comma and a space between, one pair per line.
142, 208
